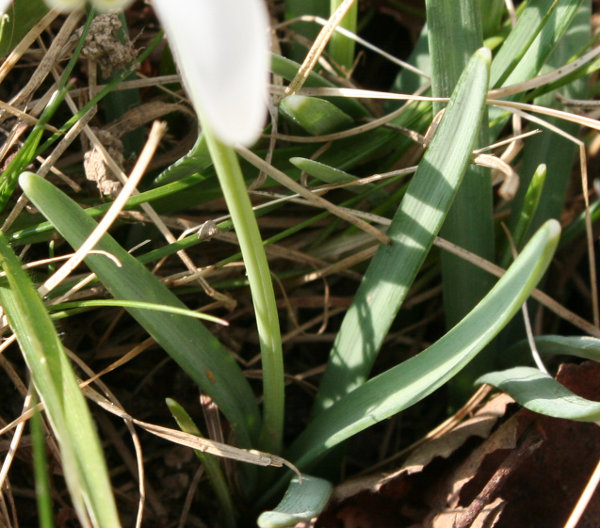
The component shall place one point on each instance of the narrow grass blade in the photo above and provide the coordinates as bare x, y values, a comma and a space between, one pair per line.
414, 226
188, 342
210, 463
526, 213
556, 152
82, 459
409, 382
302, 501
40, 468
531, 21
341, 48
8, 179
122, 303
296, 8
539, 392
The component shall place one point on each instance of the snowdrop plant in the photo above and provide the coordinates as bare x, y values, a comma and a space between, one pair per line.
222, 51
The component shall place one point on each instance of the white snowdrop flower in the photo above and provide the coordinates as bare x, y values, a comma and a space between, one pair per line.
221, 48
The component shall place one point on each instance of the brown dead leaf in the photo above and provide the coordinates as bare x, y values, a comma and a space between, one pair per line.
384, 499
540, 487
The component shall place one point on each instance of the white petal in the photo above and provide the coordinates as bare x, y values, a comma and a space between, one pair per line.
110, 5
66, 5
4, 6
221, 47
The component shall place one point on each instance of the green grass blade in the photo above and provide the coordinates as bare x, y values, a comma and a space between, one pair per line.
520, 39
539, 28
556, 152
537, 391
83, 462
40, 469
328, 174
188, 342
9, 177
525, 213
302, 501
341, 48
210, 462
413, 228
296, 8
409, 382
123, 303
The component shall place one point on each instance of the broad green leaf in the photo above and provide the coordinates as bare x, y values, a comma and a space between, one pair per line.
197, 159
316, 116
302, 501
539, 392
287, 69
186, 340
414, 226
55, 382
22, 16
578, 346
329, 174
412, 380
455, 33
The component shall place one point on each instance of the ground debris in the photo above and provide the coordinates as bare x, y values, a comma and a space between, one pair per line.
529, 472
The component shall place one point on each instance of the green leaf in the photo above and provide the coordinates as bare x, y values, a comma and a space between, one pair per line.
288, 69
186, 340
22, 16
414, 226
412, 380
539, 392
122, 303
316, 116
210, 462
526, 40
455, 33
302, 501
584, 347
81, 454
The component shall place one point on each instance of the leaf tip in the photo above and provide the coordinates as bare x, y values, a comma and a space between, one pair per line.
485, 54
26, 180
553, 227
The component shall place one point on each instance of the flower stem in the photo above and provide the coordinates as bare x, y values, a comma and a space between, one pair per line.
261, 287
